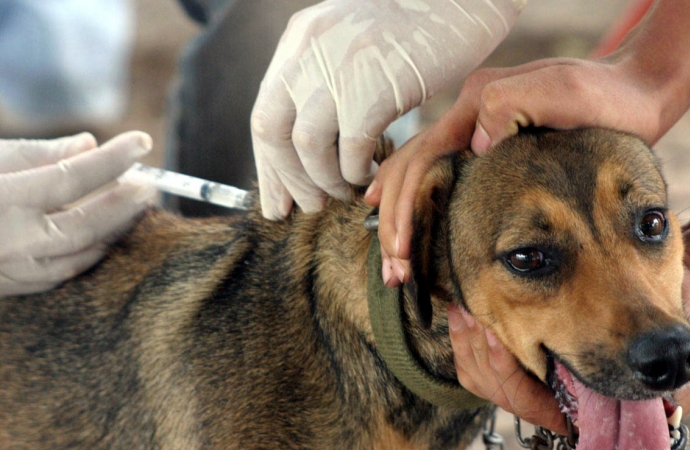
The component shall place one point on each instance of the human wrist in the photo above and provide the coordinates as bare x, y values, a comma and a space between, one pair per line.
654, 59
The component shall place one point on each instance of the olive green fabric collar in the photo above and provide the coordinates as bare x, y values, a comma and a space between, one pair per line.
386, 311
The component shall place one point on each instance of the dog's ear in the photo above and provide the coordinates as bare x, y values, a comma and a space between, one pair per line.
429, 237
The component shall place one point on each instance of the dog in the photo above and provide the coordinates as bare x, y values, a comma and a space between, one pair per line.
245, 333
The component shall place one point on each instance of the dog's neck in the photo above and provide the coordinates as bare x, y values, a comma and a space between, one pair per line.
337, 262
388, 321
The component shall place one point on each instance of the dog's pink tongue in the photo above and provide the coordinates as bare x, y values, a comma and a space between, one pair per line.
607, 423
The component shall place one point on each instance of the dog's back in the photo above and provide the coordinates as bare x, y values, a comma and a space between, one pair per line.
103, 362
213, 334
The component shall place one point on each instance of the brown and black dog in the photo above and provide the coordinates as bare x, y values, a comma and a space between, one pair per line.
252, 334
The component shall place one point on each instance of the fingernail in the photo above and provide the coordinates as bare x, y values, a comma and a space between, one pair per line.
398, 269
139, 151
480, 140
372, 187
469, 320
386, 271
72, 145
455, 320
491, 339
84, 141
143, 145
147, 141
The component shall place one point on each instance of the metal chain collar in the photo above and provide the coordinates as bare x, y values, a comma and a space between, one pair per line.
542, 439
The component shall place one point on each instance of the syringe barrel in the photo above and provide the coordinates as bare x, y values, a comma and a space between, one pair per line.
223, 195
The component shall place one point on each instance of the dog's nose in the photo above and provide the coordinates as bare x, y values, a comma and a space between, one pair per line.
661, 358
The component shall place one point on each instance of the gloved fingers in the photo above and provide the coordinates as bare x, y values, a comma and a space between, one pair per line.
54, 185
276, 201
315, 136
282, 176
96, 220
357, 157
24, 154
271, 128
306, 193
357, 144
27, 275
10, 287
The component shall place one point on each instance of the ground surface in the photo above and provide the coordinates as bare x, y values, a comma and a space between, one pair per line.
546, 28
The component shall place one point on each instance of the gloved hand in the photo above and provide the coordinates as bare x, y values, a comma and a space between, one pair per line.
42, 244
343, 71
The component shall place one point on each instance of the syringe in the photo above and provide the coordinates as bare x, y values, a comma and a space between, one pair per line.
190, 187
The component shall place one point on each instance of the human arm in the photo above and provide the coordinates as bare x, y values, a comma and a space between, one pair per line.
45, 237
343, 71
643, 88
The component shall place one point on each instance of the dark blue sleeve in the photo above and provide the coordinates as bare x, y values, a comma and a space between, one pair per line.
195, 9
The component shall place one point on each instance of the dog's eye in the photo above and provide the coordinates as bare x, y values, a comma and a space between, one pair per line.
526, 260
532, 262
652, 226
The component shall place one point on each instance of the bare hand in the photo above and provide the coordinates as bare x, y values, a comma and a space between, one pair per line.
492, 105
489, 371
643, 89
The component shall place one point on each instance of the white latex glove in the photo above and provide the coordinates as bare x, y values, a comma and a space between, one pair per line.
343, 71
43, 244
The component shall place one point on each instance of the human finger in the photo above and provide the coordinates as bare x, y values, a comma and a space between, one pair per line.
72, 230
276, 201
52, 186
24, 154
393, 171
470, 348
593, 91
397, 183
28, 275
356, 157
402, 195
527, 397
488, 370
281, 174
463, 353
315, 139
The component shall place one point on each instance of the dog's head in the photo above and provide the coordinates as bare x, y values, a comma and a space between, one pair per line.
562, 243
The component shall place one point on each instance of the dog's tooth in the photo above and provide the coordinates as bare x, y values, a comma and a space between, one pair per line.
674, 420
675, 434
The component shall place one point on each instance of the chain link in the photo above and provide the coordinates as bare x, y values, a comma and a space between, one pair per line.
544, 439
491, 439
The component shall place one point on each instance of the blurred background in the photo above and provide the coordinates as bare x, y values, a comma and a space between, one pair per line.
170, 63
191, 85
